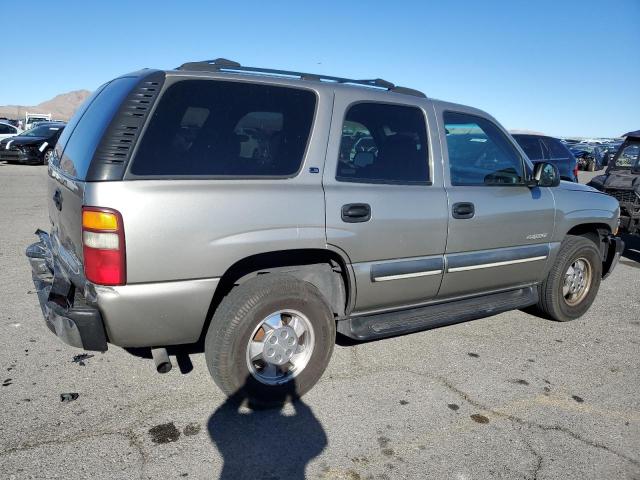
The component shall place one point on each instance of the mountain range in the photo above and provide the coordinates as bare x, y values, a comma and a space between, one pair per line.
61, 107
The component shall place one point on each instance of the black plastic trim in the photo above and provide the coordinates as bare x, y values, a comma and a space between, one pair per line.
384, 325
116, 147
405, 267
458, 260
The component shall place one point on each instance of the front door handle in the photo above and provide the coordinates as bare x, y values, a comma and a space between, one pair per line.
463, 210
57, 199
356, 212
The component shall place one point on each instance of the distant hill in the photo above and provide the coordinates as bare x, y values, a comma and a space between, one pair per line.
61, 106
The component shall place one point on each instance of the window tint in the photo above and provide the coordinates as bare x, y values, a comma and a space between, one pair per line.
479, 153
217, 128
83, 133
383, 143
531, 146
556, 149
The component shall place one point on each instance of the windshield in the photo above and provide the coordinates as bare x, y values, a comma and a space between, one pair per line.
41, 131
628, 156
37, 119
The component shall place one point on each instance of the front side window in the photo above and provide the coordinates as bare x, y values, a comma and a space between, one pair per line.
383, 143
479, 153
220, 128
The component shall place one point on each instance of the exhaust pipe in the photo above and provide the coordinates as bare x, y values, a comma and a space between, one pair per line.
161, 359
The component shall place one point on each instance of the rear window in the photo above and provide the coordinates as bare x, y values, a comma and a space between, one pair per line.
82, 134
219, 128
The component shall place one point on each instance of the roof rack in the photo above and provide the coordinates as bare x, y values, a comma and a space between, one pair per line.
224, 65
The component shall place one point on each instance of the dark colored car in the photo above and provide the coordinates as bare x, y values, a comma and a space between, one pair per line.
589, 157
622, 181
540, 148
33, 146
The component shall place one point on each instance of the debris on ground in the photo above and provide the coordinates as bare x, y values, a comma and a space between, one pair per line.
164, 433
191, 429
79, 359
68, 397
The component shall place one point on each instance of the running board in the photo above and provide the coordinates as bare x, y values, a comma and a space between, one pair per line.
383, 325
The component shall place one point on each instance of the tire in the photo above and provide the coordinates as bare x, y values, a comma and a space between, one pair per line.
592, 166
237, 320
47, 156
552, 300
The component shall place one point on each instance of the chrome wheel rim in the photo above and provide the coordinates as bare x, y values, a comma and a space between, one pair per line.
577, 281
47, 157
280, 347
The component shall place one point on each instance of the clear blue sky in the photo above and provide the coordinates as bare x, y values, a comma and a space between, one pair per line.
564, 67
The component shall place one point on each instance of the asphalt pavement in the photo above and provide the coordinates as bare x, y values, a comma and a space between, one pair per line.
511, 396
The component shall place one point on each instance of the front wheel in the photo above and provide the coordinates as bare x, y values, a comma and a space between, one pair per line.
47, 156
572, 284
270, 340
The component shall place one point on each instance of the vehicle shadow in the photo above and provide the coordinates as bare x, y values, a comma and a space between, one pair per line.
257, 443
631, 248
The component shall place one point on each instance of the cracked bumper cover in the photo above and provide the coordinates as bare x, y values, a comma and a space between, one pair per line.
66, 312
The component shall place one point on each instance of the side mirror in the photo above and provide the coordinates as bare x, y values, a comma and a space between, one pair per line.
546, 175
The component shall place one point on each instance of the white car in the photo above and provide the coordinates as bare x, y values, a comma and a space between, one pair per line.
7, 130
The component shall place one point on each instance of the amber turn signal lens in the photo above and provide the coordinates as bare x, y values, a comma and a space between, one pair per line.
96, 220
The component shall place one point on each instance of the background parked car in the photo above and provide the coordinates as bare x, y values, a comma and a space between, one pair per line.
622, 181
541, 148
7, 130
590, 157
32, 146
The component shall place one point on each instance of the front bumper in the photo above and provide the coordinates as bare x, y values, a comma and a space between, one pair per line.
15, 156
614, 251
65, 310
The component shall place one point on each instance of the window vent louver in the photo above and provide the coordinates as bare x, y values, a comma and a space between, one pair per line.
118, 142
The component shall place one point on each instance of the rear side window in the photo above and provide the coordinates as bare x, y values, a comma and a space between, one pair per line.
383, 143
531, 146
480, 153
83, 133
557, 150
219, 128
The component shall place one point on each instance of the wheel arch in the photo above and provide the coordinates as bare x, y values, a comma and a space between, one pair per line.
327, 269
599, 234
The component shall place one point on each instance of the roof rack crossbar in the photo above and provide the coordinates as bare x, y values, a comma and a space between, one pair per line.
222, 64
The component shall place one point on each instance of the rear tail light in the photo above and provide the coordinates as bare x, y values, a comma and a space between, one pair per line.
103, 246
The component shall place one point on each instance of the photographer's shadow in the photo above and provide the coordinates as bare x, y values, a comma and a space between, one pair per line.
257, 443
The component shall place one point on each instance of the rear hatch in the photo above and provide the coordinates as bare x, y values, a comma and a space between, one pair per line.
95, 146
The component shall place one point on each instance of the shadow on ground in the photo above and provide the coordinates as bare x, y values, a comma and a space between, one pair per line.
267, 444
632, 249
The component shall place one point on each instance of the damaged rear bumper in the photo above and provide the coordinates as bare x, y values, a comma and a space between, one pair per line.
65, 310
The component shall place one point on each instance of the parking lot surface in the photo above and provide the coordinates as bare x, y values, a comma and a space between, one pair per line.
511, 396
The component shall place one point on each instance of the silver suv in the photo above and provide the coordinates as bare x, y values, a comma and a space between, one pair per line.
353, 206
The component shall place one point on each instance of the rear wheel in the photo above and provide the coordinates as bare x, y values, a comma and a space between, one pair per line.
591, 166
572, 284
270, 340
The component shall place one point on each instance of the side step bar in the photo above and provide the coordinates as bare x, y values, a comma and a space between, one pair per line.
383, 325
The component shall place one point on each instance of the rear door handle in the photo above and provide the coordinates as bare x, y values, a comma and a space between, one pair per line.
356, 212
57, 199
463, 210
